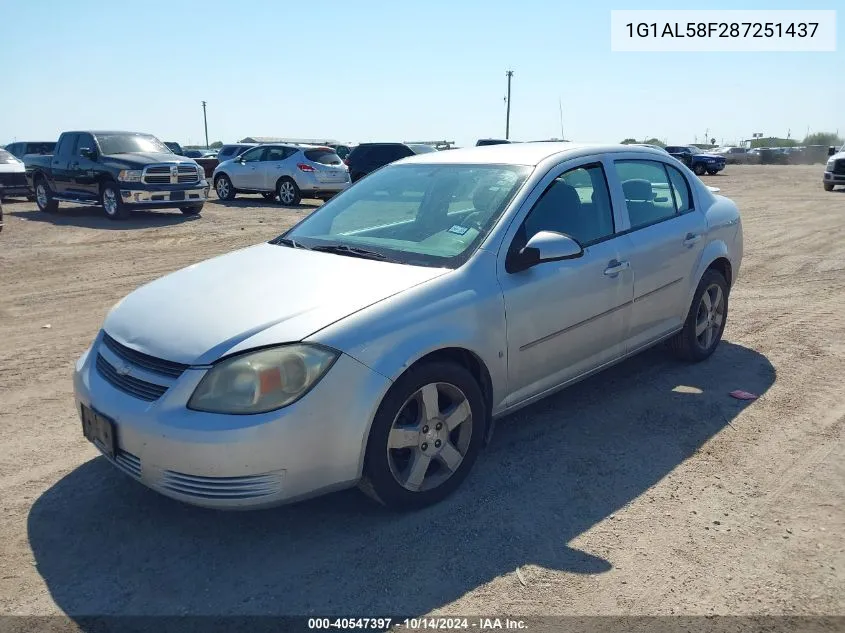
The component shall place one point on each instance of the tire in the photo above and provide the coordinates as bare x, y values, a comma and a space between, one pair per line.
44, 197
446, 455
712, 172
112, 202
699, 169
269, 196
224, 188
288, 193
194, 209
688, 346
828, 186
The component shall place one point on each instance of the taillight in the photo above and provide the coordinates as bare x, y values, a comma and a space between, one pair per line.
304, 167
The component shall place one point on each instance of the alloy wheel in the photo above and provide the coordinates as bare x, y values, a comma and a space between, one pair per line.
110, 201
222, 188
430, 436
286, 192
41, 195
710, 316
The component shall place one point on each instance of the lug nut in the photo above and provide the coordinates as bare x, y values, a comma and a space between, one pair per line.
436, 443
424, 446
425, 429
439, 426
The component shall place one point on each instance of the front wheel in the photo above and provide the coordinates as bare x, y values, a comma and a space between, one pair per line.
288, 192
425, 437
712, 172
828, 186
224, 188
699, 169
705, 321
112, 202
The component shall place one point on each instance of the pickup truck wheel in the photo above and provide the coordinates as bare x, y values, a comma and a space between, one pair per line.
288, 192
223, 187
699, 169
112, 202
194, 209
44, 197
828, 186
712, 172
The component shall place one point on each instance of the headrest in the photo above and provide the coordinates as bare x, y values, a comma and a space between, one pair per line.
638, 189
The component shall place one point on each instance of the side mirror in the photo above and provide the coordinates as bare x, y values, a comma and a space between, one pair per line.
545, 246
831, 151
87, 152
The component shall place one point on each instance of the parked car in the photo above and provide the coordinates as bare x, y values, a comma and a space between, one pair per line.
174, 147
368, 157
737, 155
20, 149
698, 161
375, 342
12, 177
228, 152
289, 172
491, 141
834, 171
119, 171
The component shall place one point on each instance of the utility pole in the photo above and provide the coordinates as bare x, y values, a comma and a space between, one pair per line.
508, 74
205, 121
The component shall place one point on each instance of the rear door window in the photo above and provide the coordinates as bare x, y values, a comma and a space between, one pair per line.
649, 195
323, 156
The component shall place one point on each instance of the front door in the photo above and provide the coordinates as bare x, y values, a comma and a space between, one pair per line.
244, 171
565, 318
83, 170
667, 237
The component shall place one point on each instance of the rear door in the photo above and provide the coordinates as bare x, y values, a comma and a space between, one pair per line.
276, 164
60, 164
667, 236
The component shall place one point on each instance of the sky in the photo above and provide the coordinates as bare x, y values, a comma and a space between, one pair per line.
412, 70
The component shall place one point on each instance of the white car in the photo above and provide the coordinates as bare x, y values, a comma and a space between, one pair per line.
285, 171
12, 176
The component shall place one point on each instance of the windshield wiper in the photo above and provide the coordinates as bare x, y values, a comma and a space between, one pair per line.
351, 251
286, 241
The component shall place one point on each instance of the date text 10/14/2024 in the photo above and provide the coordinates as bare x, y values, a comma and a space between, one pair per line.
418, 624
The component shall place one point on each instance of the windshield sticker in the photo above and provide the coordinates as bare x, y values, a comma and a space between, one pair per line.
458, 230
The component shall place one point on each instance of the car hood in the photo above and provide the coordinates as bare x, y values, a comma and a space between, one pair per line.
12, 168
837, 156
145, 158
261, 295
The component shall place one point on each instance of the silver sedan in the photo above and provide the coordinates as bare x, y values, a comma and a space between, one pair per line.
375, 342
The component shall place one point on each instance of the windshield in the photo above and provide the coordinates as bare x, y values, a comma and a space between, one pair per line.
428, 215
130, 144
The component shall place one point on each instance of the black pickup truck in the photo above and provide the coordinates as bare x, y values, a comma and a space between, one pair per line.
117, 170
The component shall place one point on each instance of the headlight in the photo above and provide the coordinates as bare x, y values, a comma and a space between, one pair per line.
200, 171
129, 175
257, 382
829, 166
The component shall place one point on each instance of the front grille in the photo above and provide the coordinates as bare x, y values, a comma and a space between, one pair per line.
839, 166
144, 361
129, 384
13, 180
165, 175
247, 487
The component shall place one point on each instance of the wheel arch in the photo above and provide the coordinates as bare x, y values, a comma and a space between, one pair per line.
715, 257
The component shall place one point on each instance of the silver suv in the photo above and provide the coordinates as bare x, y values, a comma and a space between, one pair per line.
287, 172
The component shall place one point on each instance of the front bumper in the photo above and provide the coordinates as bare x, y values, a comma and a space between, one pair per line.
165, 197
239, 461
714, 166
834, 179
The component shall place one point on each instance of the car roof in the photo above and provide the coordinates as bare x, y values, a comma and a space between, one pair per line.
110, 132
523, 153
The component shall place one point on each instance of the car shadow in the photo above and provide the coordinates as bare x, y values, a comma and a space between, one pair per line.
95, 218
106, 545
247, 201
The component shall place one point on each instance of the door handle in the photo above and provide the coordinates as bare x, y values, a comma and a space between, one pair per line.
615, 267
691, 239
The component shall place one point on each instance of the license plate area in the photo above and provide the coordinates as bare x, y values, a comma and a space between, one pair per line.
177, 195
99, 430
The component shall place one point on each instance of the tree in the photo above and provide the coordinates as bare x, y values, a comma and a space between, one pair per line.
628, 141
216, 145
773, 141
655, 141
823, 138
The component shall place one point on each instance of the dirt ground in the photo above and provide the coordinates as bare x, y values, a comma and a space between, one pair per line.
644, 490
